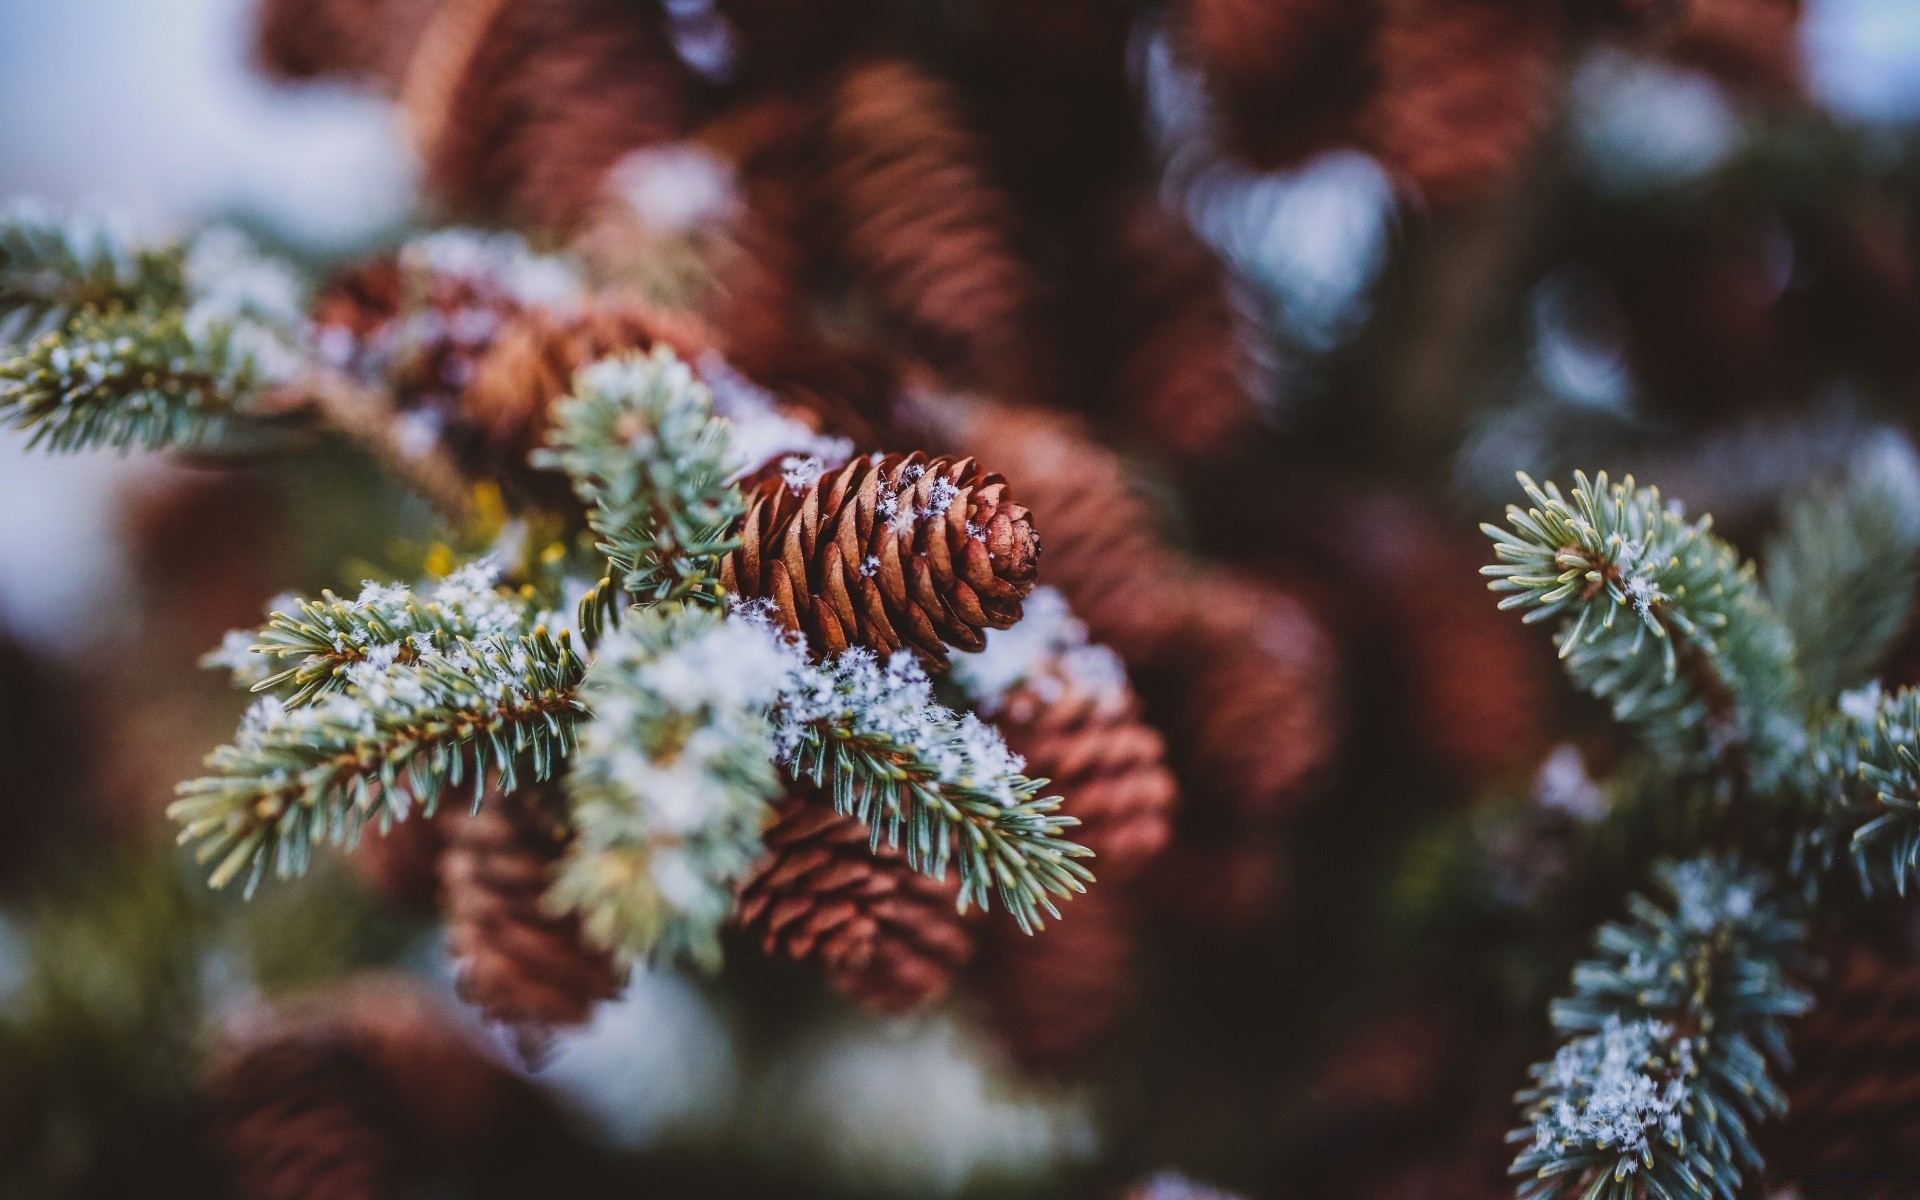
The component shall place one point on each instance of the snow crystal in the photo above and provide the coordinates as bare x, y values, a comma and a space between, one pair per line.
1708, 893
800, 473
675, 187
1048, 651
761, 432
501, 259
1862, 703
1621, 1089
235, 654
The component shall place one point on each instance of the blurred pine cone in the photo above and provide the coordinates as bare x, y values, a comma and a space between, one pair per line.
369, 40
1853, 1095
353, 1094
1288, 75
1249, 695
550, 95
518, 963
1464, 91
1752, 44
532, 361
923, 227
1059, 996
885, 934
1106, 763
403, 864
1186, 378
306, 1118
888, 551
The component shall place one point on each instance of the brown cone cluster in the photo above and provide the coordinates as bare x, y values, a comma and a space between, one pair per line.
883, 933
886, 552
403, 864
520, 964
921, 224
1058, 997
1853, 1094
354, 1095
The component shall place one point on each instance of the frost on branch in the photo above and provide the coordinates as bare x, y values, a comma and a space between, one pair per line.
671, 784
395, 734
136, 345
939, 785
645, 453
385, 623
1659, 618
1673, 1023
1047, 652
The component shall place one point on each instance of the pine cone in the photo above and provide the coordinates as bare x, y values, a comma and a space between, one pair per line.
1058, 997
888, 551
1185, 371
1853, 1095
885, 934
1103, 551
1106, 763
1463, 92
403, 864
1753, 44
351, 1095
518, 963
306, 1118
1288, 76
549, 97
359, 39
1249, 696
922, 226
532, 361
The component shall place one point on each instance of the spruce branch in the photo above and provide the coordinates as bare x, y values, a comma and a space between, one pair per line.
52, 269
941, 786
397, 734
1864, 774
1673, 1024
1842, 571
140, 346
670, 787
1659, 618
639, 439
385, 623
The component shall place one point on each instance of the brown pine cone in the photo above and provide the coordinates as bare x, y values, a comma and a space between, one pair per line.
306, 1118
923, 227
1185, 372
885, 934
532, 361
350, 1095
551, 94
1250, 696
1103, 551
1288, 76
368, 40
1753, 44
888, 551
403, 864
1059, 997
1464, 89
1106, 763
1853, 1095
519, 964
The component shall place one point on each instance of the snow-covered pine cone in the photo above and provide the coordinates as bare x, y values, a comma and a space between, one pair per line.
886, 935
518, 963
886, 552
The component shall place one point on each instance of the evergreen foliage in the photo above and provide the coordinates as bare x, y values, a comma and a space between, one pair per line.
1673, 1024
1660, 619
1865, 775
129, 345
396, 735
648, 458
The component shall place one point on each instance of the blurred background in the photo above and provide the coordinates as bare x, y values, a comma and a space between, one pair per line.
1696, 260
